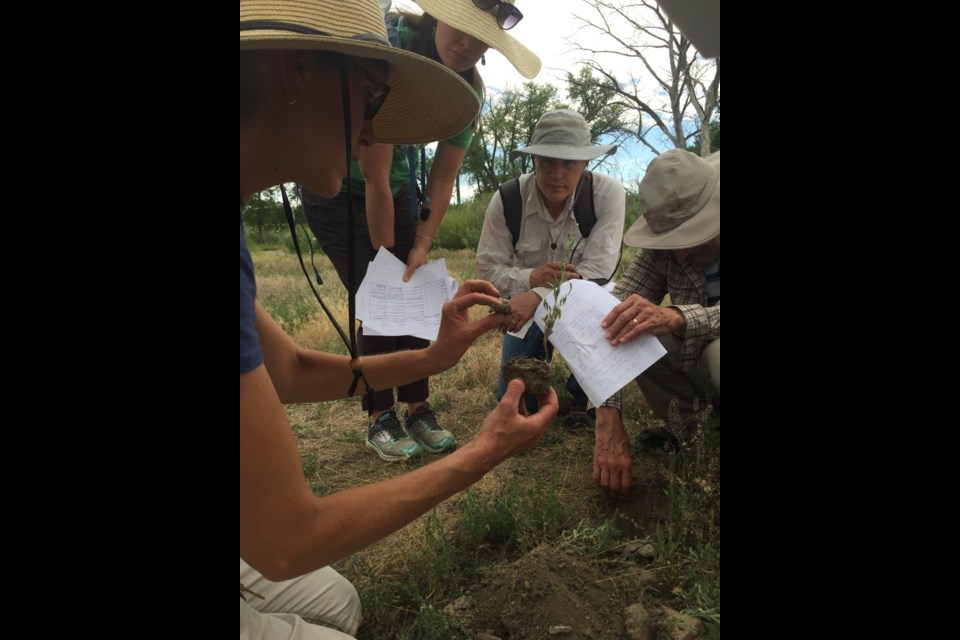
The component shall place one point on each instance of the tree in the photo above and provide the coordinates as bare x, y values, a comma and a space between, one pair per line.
687, 87
512, 117
714, 136
264, 210
595, 102
507, 125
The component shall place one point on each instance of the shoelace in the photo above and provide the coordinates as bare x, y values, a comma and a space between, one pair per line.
428, 417
391, 426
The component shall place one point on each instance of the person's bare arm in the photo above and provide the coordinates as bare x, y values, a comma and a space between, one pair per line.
286, 531
375, 164
303, 375
612, 457
446, 164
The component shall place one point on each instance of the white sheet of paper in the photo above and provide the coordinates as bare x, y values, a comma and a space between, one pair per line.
388, 306
522, 331
600, 368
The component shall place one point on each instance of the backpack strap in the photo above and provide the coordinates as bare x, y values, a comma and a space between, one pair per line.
583, 209
512, 206
586, 213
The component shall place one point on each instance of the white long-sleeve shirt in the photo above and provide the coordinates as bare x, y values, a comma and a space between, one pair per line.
509, 268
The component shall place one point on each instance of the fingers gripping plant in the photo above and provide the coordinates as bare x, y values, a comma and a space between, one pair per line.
553, 311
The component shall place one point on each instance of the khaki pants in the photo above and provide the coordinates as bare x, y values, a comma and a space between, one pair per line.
292, 609
664, 381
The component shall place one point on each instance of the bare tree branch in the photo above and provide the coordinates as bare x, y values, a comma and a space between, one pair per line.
651, 70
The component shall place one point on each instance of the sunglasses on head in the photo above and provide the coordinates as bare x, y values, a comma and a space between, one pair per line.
507, 14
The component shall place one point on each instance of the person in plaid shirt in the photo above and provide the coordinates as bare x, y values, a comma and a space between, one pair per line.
679, 237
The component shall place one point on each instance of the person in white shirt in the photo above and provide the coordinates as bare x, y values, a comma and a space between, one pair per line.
549, 235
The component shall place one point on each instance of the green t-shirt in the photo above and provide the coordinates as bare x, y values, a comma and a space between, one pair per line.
411, 39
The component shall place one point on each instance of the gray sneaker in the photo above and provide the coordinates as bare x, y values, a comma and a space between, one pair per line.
388, 439
423, 427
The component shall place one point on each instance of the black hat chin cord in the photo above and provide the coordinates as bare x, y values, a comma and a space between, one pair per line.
350, 342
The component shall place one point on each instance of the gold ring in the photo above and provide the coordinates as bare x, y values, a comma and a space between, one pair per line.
634, 321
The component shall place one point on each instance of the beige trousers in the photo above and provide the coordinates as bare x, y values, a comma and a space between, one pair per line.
665, 381
293, 609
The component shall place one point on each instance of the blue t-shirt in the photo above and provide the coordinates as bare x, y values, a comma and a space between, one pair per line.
250, 356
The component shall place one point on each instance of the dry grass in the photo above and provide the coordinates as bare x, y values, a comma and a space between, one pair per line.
331, 435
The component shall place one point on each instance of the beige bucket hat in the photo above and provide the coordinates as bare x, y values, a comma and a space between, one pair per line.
680, 200
410, 115
482, 25
564, 134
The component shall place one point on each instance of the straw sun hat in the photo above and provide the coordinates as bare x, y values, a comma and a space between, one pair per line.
482, 25
355, 28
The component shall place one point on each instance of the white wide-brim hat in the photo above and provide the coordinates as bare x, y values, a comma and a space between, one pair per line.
680, 200
465, 16
410, 114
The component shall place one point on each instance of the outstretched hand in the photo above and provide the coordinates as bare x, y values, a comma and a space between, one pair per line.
457, 333
507, 430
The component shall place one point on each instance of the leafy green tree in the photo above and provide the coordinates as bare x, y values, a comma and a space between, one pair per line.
264, 210
512, 116
507, 125
596, 103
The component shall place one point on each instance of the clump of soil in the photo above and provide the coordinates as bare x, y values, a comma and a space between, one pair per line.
534, 373
549, 588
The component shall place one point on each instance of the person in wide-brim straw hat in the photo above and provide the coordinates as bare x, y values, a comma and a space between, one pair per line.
679, 238
485, 25
318, 81
393, 211
411, 114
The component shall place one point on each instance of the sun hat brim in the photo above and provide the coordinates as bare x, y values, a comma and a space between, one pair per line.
465, 16
410, 115
702, 227
565, 151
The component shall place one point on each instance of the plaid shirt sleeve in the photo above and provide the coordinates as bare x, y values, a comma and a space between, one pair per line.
702, 326
653, 274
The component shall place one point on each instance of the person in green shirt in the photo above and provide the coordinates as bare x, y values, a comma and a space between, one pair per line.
455, 33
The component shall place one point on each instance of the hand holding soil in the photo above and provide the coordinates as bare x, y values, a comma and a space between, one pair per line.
506, 431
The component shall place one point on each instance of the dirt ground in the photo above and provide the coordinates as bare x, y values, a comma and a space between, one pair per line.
550, 587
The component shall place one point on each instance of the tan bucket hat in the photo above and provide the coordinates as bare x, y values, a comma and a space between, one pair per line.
564, 134
482, 25
680, 200
410, 114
